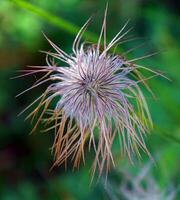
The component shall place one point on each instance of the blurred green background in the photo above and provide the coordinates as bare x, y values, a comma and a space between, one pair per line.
25, 159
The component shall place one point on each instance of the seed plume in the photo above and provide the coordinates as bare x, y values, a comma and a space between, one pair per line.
97, 98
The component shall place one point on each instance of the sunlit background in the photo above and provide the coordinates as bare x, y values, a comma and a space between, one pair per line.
25, 159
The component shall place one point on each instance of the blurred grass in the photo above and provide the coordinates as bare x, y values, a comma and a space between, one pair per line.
61, 23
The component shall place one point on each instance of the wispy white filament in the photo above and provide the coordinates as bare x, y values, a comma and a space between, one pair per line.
94, 90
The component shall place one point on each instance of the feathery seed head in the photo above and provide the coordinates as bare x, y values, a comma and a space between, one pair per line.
94, 90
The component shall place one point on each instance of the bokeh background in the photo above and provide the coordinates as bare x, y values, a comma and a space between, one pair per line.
25, 159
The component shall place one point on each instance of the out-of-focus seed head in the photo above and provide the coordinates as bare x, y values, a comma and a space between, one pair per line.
97, 97
139, 185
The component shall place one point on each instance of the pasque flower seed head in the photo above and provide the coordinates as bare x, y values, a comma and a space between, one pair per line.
97, 96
